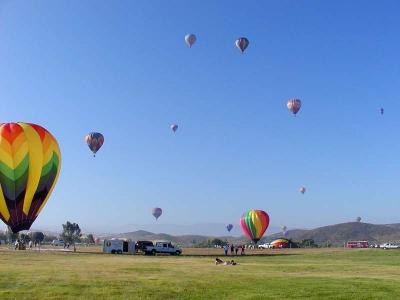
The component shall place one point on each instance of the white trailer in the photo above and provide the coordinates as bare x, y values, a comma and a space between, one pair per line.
119, 246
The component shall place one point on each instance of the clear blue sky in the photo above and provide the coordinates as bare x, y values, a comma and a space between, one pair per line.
122, 68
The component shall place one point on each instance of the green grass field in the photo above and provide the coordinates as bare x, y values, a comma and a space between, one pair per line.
289, 274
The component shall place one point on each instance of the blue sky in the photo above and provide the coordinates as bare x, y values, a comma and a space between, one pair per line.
122, 68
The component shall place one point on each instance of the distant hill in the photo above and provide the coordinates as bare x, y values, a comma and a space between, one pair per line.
335, 234
183, 240
340, 233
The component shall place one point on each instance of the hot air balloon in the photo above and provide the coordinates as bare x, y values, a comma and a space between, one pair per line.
229, 227
358, 219
284, 229
30, 161
254, 223
294, 105
302, 190
382, 111
280, 243
156, 212
174, 127
190, 39
242, 43
94, 140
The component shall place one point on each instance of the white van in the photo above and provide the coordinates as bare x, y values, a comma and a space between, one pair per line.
119, 246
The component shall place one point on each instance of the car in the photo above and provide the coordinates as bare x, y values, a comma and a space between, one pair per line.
58, 243
140, 246
163, 247
390, 246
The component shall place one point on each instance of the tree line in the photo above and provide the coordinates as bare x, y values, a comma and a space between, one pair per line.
71, 234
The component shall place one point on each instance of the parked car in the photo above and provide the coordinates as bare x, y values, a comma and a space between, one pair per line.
390, 246
140, 246
58, 243
163, 247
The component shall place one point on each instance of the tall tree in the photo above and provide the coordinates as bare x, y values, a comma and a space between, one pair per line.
71, 232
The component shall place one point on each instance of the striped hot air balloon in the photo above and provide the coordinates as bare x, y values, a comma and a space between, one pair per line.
242, 43
294, 105
94, 140
254, 223
30, 162
280, 243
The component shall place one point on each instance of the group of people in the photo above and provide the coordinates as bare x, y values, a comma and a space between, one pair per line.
225, 263
20, 244
234, 249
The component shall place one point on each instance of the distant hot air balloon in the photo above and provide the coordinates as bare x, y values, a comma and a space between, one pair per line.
174, 127
294, 105
229, 227
30, 161
302, 190
382, 111
190, 39
156, 212
242, 43
284, 228
358, 219
94, 140
254, 223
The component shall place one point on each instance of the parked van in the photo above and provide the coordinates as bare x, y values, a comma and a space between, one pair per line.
118, 246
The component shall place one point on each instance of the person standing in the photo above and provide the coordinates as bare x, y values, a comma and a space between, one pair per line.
242, 250
232, 249
226, 248
236, 249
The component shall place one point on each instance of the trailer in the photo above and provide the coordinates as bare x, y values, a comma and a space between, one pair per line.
119, 246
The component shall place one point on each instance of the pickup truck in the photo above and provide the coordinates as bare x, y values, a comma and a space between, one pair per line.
389, 246
162, 247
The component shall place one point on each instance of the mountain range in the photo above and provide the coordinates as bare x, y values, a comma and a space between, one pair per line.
336, 235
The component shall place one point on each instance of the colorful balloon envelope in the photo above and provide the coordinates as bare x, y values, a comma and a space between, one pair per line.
30, 162
94, 140
280, 243
156, 212
302, 190
294, 105
190, 39
254, 223
229, 227
242, 43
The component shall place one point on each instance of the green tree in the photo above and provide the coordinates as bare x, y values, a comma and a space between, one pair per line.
71, 232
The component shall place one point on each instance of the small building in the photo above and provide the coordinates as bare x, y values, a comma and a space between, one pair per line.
357, 244
119, 246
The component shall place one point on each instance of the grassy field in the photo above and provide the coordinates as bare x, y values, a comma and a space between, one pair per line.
295, 273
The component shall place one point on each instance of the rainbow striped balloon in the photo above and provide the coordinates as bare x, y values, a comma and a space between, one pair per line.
254, 223
30, 162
